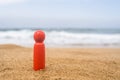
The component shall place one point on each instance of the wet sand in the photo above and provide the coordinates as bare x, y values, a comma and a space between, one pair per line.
16, 63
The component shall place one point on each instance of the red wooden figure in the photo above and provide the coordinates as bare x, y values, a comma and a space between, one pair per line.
39, 50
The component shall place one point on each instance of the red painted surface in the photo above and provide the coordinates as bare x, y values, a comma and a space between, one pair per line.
39, 50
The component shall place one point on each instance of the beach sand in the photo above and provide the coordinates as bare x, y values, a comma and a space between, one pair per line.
16, 63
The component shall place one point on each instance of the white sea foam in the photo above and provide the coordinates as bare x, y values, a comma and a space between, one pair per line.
60, 38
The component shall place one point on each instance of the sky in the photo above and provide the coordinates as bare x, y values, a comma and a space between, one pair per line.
60, 13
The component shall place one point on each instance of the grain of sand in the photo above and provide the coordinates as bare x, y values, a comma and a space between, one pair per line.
16, 63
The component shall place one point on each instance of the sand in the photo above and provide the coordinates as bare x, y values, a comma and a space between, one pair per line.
16, 63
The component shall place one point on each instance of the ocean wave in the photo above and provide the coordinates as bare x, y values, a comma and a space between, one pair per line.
60, 38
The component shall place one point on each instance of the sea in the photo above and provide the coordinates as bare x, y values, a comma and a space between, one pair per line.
63, 37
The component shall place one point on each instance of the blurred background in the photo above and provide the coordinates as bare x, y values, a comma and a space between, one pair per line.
70, 23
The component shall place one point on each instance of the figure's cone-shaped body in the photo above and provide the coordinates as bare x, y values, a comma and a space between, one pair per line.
39, 50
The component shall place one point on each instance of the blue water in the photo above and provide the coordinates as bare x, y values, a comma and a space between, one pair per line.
73, 30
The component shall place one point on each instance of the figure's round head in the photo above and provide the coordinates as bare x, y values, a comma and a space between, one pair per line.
39, 36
